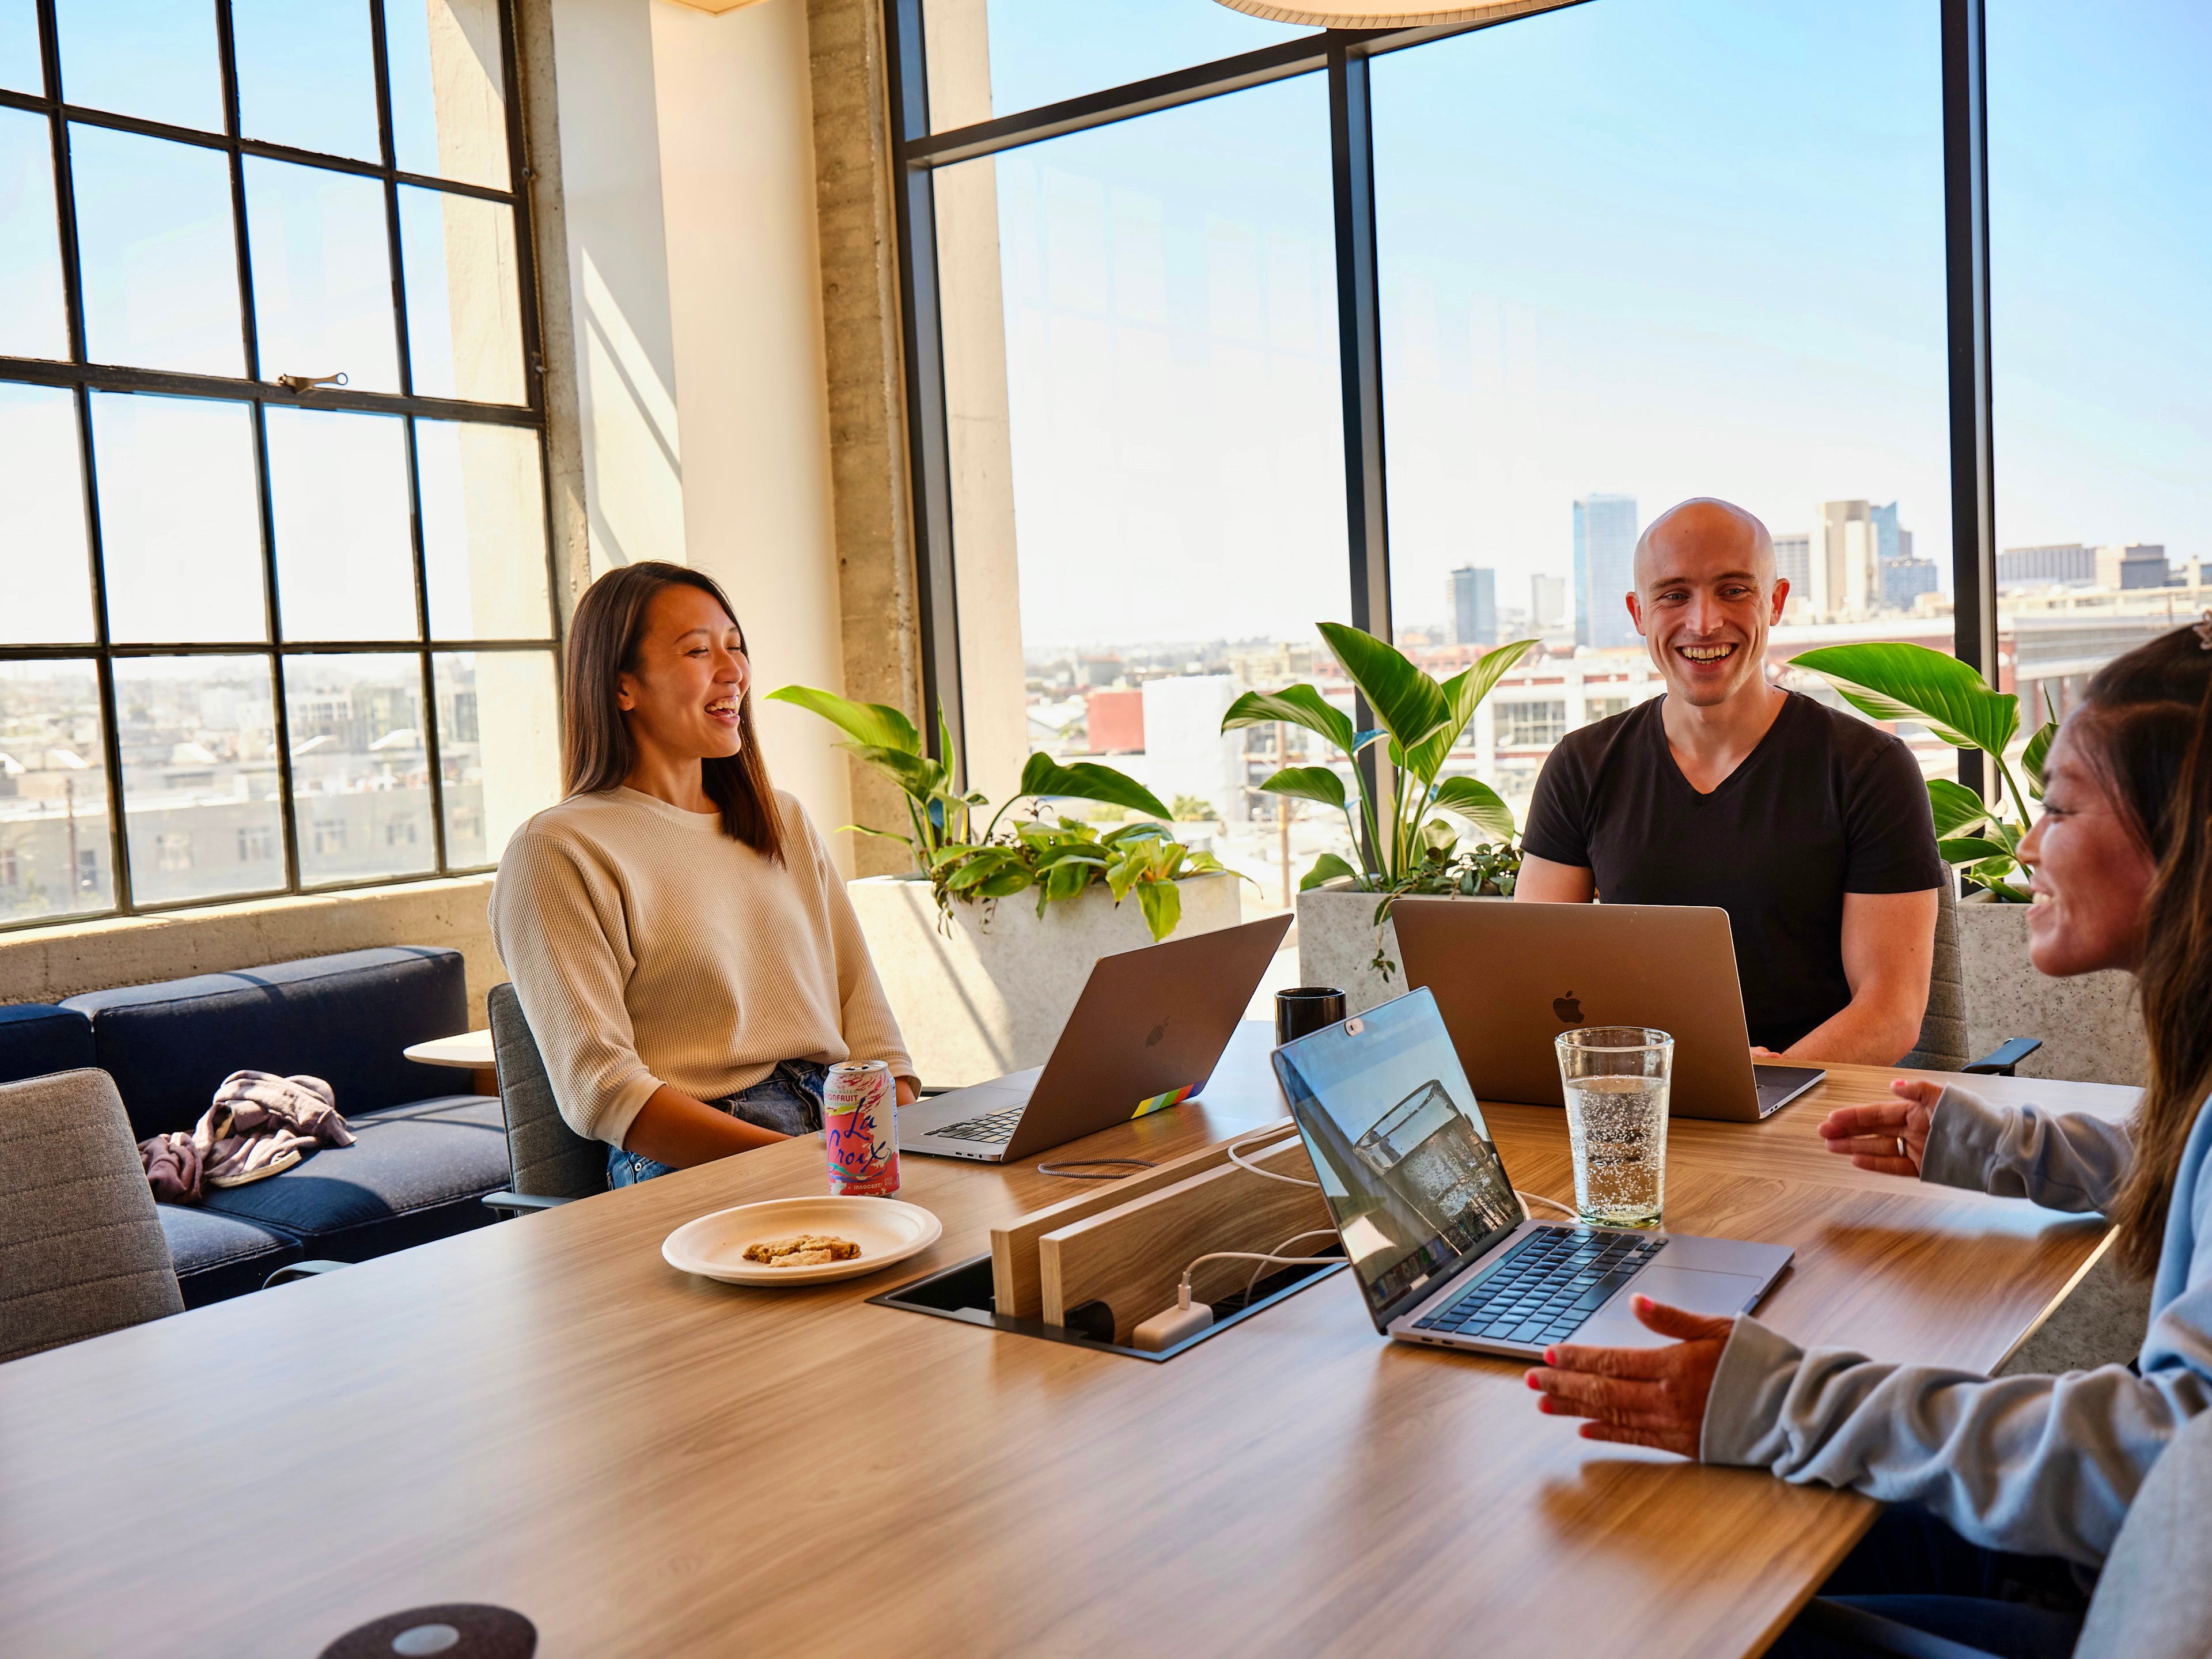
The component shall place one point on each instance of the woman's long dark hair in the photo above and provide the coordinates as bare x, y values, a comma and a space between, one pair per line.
2146, 729
598, 752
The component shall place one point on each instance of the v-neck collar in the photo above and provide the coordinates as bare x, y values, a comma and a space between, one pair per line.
1674, 767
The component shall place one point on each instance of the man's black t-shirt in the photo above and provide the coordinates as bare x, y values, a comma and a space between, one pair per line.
1824, 805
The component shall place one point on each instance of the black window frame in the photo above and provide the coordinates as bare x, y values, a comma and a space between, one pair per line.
83, 378
1345, 56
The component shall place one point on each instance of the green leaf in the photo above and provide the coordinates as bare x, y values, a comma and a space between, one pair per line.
875, 724
1955, 807
1296, 705
880, 835
1891, 682
2037, 751
1463, 693
1163, 907
1971, 849
981, 868
1138, 831
1406, 701
1327, 867
1477, 802
1308, 783
1088, 780
1004, 882
1066, 880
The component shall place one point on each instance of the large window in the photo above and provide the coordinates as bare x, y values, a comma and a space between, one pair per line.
2101, 233
274, 599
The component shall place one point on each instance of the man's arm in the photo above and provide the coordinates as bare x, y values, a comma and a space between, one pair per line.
1542, 882
1889, 948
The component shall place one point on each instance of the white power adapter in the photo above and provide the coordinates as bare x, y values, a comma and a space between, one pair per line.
1163, 1330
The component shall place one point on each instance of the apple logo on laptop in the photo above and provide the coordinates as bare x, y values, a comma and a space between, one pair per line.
1569, 1008
1152, 1037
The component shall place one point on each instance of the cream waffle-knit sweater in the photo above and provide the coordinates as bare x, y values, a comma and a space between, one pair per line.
648, 947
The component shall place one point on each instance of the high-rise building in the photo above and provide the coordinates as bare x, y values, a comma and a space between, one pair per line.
1844, 580
1548, 602
2139, 564
1886, 534
1904, 579
1793, 563
1471, 595
2064, 564
1605, 566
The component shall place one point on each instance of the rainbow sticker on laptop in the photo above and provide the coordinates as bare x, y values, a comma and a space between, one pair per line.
1160, 1102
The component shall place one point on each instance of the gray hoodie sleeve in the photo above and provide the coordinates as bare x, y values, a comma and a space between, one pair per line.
2063, 1160
2042, 1465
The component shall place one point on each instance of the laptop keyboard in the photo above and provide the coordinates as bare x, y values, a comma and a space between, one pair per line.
991, 1126
1554, 1279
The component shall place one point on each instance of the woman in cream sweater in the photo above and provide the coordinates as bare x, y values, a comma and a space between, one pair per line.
679, 940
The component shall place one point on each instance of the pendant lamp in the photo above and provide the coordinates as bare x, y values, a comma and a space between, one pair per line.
1388, 14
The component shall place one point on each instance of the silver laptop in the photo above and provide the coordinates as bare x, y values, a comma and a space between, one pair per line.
1444, 1252
1509, 977
1145, 1034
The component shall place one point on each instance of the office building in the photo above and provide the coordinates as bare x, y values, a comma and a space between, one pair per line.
1605, 562
2059, 564
1904, 579
1548, 602
1471, 592
2137, 565
1793, 563
1844, 578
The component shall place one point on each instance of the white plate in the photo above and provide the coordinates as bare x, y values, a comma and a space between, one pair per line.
886, 1231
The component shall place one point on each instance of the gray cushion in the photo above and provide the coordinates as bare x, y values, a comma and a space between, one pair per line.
81, 1247
1942, 1045
2154, 1599
219, 1257
545, 1157
414, 1173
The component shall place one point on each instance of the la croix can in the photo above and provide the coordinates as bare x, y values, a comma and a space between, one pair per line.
859, 1126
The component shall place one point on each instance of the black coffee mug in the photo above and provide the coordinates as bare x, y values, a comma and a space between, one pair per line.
1306, 1008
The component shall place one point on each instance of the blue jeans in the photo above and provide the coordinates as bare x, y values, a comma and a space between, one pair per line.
1914, 1569
788, 1100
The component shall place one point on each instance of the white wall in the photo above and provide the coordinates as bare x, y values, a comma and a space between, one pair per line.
618, 280
745, 285
688, 171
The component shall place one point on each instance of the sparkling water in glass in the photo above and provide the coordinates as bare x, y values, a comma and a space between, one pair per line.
1615, 1078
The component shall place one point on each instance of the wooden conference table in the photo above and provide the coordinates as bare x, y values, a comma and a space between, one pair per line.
543, 1414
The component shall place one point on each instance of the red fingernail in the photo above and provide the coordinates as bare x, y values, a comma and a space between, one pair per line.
1551, 1356
1530, 1377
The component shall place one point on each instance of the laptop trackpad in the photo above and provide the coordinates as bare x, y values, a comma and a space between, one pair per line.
1701, 1291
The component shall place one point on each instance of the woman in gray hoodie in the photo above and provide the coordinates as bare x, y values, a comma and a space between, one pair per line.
2004, 1485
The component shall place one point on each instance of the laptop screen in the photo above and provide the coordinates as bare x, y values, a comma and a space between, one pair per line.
1411, 1176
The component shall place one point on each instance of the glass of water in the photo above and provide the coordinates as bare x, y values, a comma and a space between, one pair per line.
1615, 1078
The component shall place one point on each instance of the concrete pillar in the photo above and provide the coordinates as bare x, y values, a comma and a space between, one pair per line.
871, 513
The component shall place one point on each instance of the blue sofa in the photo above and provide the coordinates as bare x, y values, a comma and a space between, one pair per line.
422, 1158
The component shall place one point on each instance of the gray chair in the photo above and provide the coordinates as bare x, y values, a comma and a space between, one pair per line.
2154, 1599
1942, 1045
82, 1252
549, 1163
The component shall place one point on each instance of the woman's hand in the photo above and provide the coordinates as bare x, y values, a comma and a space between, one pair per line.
1889, 1136
1639, 1396
909, 1091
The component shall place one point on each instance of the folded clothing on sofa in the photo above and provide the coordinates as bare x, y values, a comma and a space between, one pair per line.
261, 1125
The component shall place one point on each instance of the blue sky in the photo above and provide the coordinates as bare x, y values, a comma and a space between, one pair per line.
1661, 246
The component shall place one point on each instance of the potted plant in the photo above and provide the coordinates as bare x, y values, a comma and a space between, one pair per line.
2091, 1029
981, 986
1403, 842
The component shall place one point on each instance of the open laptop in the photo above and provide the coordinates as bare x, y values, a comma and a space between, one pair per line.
1444, 1252
1509, 977
1145, 1034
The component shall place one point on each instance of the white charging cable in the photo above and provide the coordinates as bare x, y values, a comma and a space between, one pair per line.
1295, 1238
1182, 1290
1234, 1147
1567, 1210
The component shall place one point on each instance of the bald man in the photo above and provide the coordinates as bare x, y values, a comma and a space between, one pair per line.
1809, 826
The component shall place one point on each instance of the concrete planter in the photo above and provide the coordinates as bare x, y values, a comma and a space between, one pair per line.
2091, 1025
1337, 942
988, 991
